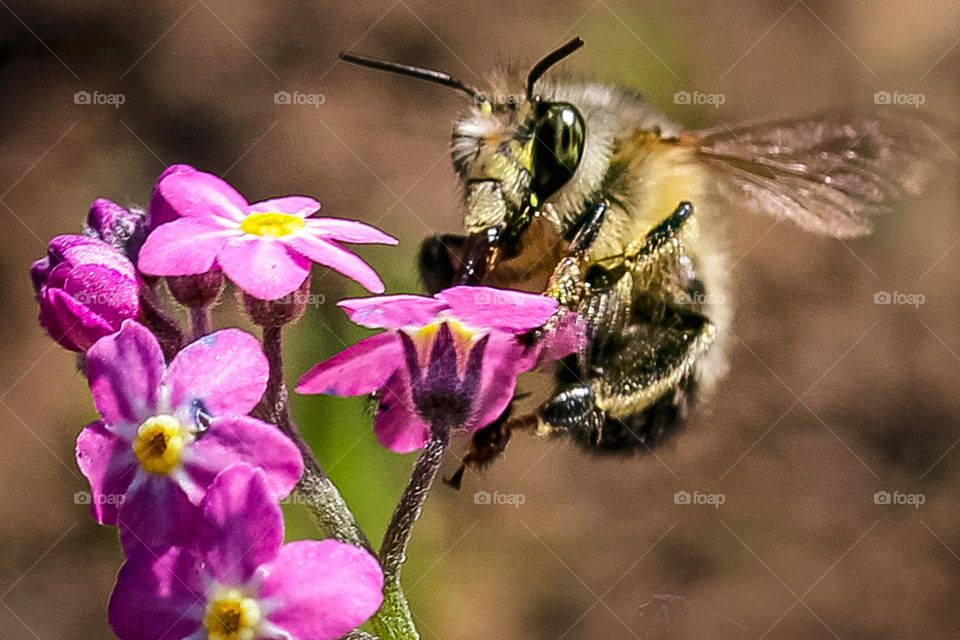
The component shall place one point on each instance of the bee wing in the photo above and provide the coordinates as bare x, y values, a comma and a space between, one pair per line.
830, 174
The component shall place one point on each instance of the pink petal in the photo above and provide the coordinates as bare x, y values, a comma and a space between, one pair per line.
72, 324
124, 371
300, 206
486, 307
350, 231
392, 312
158, 597
159, 210
225, 371
357, 370
106, 292
203, 195
156, 514
567, 338
337, 258
398, 426
242, 439
108, 462
503, 361
184, 247
242, 525
323, 589
263, 267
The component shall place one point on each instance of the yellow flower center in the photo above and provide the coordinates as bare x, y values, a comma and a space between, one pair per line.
271, 223
423, 337
231, 616
159, 444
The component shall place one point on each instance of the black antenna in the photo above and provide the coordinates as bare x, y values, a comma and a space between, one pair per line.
549, 60
429, 75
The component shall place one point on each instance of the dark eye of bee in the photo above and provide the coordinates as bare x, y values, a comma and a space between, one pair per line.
557, 148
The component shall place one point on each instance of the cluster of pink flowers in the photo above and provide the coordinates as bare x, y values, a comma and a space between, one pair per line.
178, 462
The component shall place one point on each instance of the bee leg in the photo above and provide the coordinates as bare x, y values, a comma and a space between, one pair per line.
440, 258
587, 227
639, 390
566, 282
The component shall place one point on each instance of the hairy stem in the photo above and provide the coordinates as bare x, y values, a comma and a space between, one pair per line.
161, 324
393, 551
200, 321
315, 489
394, 621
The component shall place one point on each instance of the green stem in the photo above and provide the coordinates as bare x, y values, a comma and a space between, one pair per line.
395, 620
315, 489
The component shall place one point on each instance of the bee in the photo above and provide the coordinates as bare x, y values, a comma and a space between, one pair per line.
585, 192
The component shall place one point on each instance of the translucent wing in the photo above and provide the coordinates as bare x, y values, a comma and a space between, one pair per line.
830, 174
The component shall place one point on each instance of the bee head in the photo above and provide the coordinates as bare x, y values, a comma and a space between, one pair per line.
512, 152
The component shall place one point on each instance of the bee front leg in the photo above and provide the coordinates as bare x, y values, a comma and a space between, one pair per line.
566, 283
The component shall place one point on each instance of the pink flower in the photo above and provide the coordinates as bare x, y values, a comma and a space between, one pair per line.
166, 431
265, 248
449, 361
244, 583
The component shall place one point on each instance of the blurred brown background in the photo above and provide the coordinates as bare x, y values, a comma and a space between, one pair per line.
830, 398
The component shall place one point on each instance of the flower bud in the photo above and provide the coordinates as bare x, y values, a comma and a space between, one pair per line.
276, 313
197, 291
85, 289
119, 227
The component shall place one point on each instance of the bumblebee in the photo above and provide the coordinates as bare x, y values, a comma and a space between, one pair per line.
585, 192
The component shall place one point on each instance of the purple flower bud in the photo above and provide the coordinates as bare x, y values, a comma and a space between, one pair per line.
117, 226
85, 289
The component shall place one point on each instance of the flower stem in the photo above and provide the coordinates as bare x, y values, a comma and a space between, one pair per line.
200, 321
162, 324
393, 551
395, 620
315, 489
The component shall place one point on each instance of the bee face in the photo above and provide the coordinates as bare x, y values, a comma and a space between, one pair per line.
512, 157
